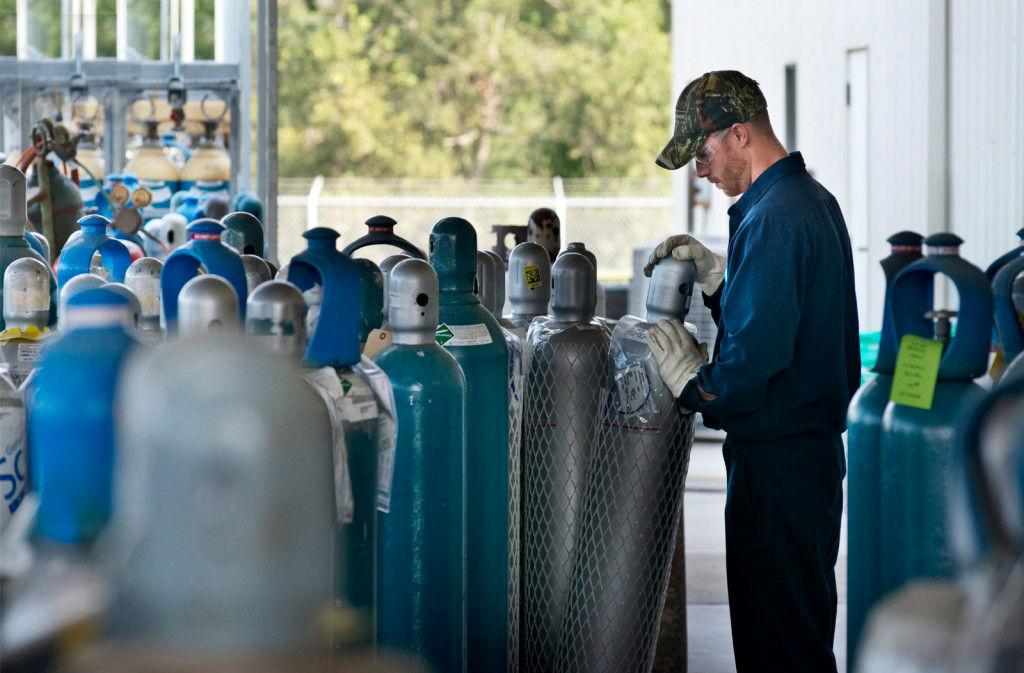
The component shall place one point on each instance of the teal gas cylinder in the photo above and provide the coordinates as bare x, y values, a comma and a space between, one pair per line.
1008, 314
421, 572
1008, 256
917, 444
13, 242
76, 257
372, 282
864, 422
65, 202
206, 248
243, 232
334, 344
471, 334
71, 417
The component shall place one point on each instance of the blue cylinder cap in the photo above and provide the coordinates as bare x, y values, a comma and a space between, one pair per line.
453, 254
905, 239
945, 243
381, 222
205, 230
96, 223
319, 238
1020, 234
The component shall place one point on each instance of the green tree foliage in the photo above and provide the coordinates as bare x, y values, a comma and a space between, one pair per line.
473, 88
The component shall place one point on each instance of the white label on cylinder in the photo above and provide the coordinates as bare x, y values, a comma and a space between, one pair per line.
358, 402
13, 463
469, 335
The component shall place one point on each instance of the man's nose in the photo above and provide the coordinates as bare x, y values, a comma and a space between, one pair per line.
702, 170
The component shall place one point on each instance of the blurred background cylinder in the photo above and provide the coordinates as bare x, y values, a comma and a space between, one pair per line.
275, 319
143, 277
529, 285
207, 305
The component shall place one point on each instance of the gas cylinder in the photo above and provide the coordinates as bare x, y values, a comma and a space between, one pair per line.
1008, 256
580, 248
352, 389
249, 203
208, 171
190, 208
529, 285
90, 160
204, 248
372, 282
143, 277
155, 171
244, 233
282, 273
631, 505
499, 284
485, 280
917, 443
1000, 361
252, 443
26, 309
215, 206
71, 417
76, 258
176, 151
65, 202
275, 319
13, 242
864, 420
382, 232
386, 266
133, 302
564, 392
544, 228
1009, 307
173, 232
256, 271
38, 243
421, 572
13, 457
80, 283
471, 334
207, 305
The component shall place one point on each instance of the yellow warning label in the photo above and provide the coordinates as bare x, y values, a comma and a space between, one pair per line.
532, 275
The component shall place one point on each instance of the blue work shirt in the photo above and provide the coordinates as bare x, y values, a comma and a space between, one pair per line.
787, 356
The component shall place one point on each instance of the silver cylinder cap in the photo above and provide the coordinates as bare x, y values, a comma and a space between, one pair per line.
207, 305
133, 300
573, 297
257, 271
581, 249
386, 266
13, 206
529, 280
275, 318
499, 283
484, 286
668, 295
26, 293
43, 243
83, 281
413, 302
143, 277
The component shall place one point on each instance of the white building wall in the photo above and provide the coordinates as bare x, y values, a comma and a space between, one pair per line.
906, 43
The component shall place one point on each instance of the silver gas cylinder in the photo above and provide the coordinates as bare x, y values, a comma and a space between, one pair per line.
499, 283
385, 270
275, 319
529, 286
580, 248
242, 566
631, 509
83, 281
42, 241
133, 301
207, 305
564, 392
26, 310
484, 285
143, 277
257, 271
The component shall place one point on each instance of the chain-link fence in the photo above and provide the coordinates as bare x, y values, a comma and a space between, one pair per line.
611, 216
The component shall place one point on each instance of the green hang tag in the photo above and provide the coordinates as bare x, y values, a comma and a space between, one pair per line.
917, 370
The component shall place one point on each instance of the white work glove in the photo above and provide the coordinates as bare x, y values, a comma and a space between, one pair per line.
677, 353
710, 267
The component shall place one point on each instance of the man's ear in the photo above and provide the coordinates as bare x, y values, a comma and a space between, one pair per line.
740, 134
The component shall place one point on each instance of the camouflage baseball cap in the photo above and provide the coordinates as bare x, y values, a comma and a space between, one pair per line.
714, 101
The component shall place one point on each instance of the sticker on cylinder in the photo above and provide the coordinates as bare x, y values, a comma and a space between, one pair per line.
632, 390
463, 335
532, 275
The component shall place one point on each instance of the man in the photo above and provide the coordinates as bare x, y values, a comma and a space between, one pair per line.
786, 363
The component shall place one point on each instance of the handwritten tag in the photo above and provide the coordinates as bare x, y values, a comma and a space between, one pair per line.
917, 370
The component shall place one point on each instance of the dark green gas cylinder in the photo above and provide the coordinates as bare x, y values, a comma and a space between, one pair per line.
421, 565
917, 444
65, 201
372, 281
13, 243
864, 421
470, 333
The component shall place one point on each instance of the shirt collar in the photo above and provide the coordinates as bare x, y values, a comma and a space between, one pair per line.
780, 169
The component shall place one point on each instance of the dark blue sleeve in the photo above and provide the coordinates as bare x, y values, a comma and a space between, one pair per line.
714, 303
760, 312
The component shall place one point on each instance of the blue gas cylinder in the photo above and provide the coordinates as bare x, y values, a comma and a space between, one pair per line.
204, 247
334, 343
1009, 316
864, 422
470, 333
190, 207
917, 444
14, 243
76, 257
71, 417
421, 538
1008, 256
372, 281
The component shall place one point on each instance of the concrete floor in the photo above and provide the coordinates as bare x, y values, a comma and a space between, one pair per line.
710, 638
